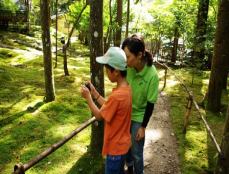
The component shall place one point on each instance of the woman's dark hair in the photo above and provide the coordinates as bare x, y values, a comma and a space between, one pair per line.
136, 45
123, 73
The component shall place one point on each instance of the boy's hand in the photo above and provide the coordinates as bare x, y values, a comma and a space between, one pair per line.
85, 93
93, 91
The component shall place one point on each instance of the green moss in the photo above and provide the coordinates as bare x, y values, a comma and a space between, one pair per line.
196, 150
29, 126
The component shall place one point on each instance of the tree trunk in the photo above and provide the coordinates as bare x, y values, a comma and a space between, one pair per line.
118, 33
108, 37
175, 45
201, 31
28, 8
225, 80
97, 76
47, 55
56, 31
220, 61
223, 161
65, 46
127, 18
65, 61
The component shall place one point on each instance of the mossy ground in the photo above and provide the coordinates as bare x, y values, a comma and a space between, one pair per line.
196, 149
28, 125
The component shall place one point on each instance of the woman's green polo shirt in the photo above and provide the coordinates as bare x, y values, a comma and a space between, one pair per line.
144, 85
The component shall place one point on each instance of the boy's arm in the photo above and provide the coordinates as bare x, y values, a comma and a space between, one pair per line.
95, 94
100, 99
94, 109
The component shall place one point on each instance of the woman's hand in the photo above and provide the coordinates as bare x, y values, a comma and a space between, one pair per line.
140, 134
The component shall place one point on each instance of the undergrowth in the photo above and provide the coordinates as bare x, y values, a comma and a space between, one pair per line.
197, 151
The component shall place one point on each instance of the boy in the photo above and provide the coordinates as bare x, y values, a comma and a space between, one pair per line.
116, 111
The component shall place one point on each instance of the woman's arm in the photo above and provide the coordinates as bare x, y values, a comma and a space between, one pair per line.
148, 112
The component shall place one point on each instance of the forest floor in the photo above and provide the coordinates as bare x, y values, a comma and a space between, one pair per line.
161, 146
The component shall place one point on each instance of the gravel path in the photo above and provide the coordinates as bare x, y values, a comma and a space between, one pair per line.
161, 146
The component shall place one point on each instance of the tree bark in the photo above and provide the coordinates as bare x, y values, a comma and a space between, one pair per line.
47, 55
65, 46
108, 37
118, 33
225, 80
127, 18
220, 61
175, 45
56, 31
201, 31
28, 8
223, 161
97, 75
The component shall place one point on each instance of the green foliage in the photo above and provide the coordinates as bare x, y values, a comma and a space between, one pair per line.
74, 11
8, 5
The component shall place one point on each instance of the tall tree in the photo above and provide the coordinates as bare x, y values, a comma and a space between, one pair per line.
67, 44
56, 5
108, 37
220, 62
127, 18
118, 32
201, 31
97, 75
223, 161
47, 55
28, 8
175, 44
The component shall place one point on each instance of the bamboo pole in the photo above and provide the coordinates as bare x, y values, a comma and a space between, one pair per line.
208, 128
21, 168
198, 109
187, 113
165, 76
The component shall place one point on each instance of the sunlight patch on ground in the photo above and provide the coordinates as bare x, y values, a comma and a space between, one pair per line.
204, 86
23, 104
171, 83
196, 147
205, 81
28, 55
62, 130
78, 147
152, 135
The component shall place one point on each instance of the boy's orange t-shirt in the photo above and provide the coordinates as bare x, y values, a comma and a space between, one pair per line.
116, 112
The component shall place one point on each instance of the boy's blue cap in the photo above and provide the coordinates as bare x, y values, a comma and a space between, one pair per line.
115, 57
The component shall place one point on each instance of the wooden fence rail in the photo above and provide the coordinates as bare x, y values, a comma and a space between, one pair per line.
191, 101
21, 168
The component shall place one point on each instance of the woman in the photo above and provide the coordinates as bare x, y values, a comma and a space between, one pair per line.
143, 79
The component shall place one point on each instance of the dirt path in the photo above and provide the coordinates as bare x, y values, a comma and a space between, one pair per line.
160, 152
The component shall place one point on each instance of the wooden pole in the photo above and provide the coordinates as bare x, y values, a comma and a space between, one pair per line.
187, 113
21, 168
165, 77
56, 31
197, 107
